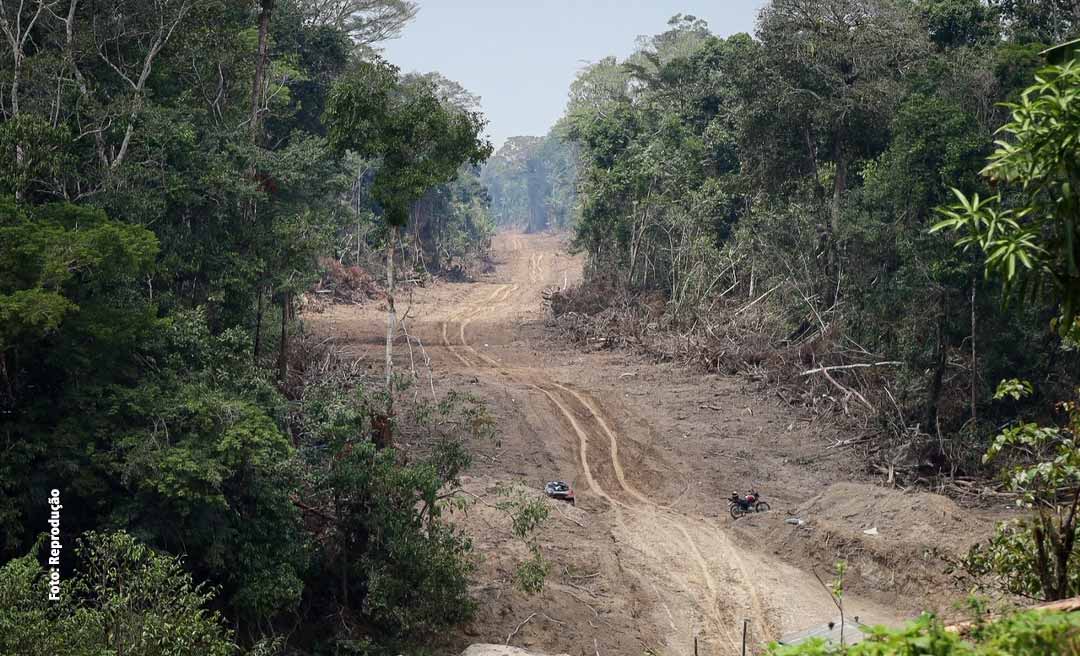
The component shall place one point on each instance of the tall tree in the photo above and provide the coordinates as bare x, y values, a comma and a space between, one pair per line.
837, 66
420, 139
1030, 234
1041, 21
367, 22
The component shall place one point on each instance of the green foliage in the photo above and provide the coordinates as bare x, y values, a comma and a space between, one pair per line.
1036, 556
134, 319
204, 465
69, 321
421, 140
1043, 22
529, 576
124, 599
1033, 632
1034, 243
774, 192
956, 23
32, 150
1021, 634
1017, 389
414, 564
837, 588
1032, 240
923, 637
1009, 561
454, 222
1015, 65
359, 108
407, 569
57, 256
390, 555
527, 513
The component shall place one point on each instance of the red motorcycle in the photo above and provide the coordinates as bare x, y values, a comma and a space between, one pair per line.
740, 505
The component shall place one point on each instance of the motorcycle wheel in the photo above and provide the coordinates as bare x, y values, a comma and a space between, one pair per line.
761, 506
735, 511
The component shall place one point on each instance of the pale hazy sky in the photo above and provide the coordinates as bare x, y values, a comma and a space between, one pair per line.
520, 56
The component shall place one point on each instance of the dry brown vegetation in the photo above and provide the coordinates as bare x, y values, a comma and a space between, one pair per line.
816, 369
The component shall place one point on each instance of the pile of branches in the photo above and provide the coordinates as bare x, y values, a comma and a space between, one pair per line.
599, 314
813, 366
343, 284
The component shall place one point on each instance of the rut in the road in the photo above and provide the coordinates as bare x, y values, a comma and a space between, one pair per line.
663, 536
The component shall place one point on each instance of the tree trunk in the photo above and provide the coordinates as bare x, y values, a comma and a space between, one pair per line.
439, 222
418, 219
80, 80
7, 378
260, 67
20, 156
391, 320
974, 361
939, 370
256, 101
1067, 533
811, 156
1042, 560
339, 513
258, 326
356, 199
283, 352
15, 73
839, 187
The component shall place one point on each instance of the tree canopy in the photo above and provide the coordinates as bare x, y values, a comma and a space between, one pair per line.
175, 177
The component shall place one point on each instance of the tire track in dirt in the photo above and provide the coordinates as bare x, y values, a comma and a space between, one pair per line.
463, 315
679, 520
583, 446
536, 270
662, 514
690, 574
496, 299
586, 420
649, 524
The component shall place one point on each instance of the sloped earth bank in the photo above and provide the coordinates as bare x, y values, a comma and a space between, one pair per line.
649, 558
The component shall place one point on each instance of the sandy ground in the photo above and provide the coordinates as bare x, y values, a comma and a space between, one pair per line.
649, 558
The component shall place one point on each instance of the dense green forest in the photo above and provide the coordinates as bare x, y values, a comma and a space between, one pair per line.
176, 174
171, 180
775, 192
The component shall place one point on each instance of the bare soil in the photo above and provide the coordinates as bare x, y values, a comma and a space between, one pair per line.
649, 558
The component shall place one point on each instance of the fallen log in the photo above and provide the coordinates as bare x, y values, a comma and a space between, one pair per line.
862, 365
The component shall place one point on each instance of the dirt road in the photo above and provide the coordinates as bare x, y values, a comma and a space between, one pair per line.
648, 559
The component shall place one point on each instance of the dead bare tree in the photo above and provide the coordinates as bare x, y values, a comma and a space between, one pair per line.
70, 59
261, 61
367, 21
130, 24
17, 32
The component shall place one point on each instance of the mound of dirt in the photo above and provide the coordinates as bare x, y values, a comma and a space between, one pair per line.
898, 545
500, 650
898, 516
